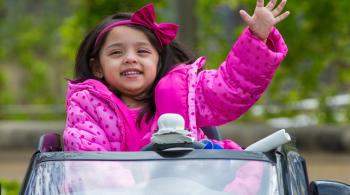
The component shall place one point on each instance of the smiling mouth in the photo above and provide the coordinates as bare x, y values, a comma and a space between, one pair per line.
131, 73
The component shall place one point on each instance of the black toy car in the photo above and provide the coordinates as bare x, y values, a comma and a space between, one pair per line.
184, 170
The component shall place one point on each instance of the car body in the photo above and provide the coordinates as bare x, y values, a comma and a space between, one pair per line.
179, 171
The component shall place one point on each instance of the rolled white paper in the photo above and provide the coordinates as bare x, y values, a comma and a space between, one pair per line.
270, 142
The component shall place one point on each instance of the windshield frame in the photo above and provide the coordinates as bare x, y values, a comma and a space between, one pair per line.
151, 155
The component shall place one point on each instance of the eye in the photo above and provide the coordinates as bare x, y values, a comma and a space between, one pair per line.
143, 51
115, 52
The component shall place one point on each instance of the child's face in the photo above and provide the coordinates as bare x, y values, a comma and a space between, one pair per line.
129, 61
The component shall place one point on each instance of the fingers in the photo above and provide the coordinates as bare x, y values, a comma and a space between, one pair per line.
245, 16
260, 3
279, 8
281, 17
271, 4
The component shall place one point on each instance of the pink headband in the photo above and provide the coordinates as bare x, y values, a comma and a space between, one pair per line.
145, 16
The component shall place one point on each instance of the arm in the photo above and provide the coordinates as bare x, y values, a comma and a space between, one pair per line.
85, 130
225, 94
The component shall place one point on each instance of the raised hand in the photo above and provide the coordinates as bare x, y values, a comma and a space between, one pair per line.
264, 17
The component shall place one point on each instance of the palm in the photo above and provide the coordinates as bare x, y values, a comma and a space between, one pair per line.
264, 17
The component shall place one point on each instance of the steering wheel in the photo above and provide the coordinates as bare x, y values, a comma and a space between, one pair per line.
173, 146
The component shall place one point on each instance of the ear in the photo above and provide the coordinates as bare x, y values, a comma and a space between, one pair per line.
96, 68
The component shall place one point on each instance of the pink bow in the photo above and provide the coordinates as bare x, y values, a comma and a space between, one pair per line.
145, 16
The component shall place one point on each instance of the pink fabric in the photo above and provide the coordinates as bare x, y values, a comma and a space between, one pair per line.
98, 120
247, 180
225, 94
145, 16
79, 175
215, 97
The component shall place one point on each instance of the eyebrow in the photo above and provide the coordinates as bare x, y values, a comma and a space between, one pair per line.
137, 44
114, 45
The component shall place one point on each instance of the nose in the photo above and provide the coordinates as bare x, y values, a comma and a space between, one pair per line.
130, 58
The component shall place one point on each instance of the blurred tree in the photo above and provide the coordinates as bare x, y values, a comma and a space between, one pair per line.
86, 15
27, 34
187, 22
318, 62
40, 38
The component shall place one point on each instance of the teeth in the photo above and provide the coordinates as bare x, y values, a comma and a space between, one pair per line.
130, 73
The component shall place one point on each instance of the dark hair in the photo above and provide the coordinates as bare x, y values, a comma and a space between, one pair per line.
170, 56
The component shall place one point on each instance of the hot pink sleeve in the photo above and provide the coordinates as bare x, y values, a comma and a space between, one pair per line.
87, 124
225, 94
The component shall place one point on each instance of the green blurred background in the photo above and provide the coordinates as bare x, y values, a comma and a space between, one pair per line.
39, 39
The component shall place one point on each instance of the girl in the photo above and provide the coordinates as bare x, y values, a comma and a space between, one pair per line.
129, 71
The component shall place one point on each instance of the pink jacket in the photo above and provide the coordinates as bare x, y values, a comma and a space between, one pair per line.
97, 120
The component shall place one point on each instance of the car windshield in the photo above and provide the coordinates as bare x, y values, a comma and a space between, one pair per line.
183, 176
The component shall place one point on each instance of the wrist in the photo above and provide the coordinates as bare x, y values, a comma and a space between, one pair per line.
258, 36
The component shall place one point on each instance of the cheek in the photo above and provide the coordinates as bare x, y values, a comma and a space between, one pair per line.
154, 71
109, 66
151, 67
154, 75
